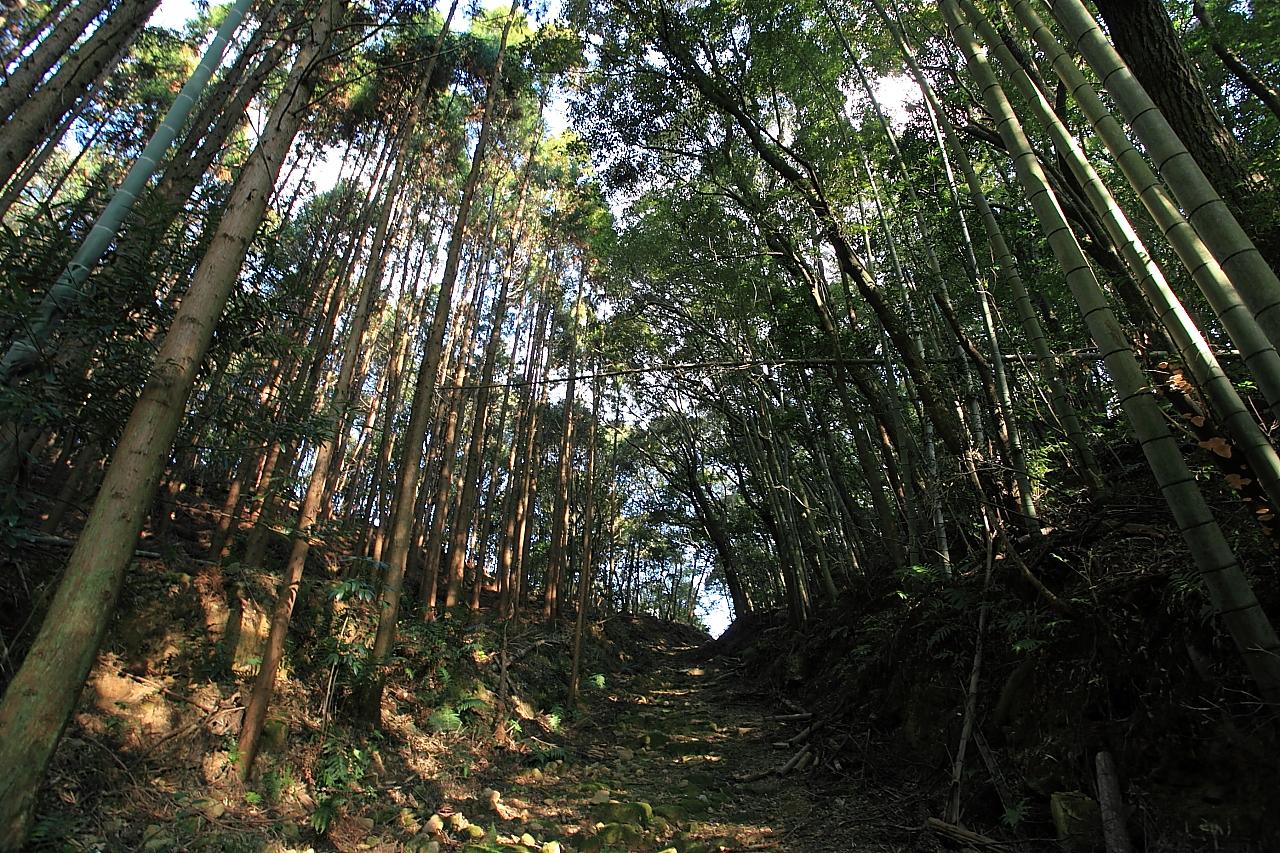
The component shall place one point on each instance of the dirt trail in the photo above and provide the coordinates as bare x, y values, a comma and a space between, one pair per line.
674, 757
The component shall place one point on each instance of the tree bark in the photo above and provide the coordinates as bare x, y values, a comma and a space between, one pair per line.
403, 508
39, 701
25, 79
35, 117
1144, 36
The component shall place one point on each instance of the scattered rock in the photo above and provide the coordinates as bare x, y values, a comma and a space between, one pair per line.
764, 786
672, 813
1078, 820
620, 835
640, 813
212, 809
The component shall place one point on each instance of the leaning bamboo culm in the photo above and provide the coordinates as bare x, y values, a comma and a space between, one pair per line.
1228, 588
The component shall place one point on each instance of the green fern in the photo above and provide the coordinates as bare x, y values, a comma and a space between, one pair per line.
541, 757
945, 633
444, 719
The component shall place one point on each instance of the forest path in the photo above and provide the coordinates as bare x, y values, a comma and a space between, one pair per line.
677, 756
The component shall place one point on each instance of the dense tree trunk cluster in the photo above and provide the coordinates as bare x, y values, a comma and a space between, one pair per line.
752, 333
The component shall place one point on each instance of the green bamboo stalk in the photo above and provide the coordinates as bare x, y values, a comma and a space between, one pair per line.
1258, 353
1255, 281
1228, 588
1008, 271
25, 352
1182, 329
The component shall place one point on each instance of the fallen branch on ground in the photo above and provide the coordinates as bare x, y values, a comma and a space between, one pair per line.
58, 542
791, 764
962, 835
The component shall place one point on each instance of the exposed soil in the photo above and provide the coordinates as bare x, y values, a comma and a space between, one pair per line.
681, 754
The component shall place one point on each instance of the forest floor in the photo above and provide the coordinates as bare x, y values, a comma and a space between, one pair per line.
679, 745
670, 752
684, 755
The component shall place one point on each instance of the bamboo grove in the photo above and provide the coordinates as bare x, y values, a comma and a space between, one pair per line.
753, 327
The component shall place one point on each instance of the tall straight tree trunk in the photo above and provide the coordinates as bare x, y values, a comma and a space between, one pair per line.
557, 557
1145, 37
445, 444
312, 504
491, 516
995, 383
224, 111
37, 115
520, 467
37, 161
1192, 347
409, 476
407, 317
25, 352
480, 426
1215, 282
1007, 268
24, 80
309, 384
28, 32
39, 700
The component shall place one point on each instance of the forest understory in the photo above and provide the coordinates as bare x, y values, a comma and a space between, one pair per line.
396, 396
837, 738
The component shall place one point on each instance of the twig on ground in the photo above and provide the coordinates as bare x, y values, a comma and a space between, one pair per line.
164, 688
962, 835
783, 770
190, 727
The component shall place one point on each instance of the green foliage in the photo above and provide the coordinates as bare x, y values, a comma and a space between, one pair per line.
14, 507
445, 719
1016, 813
339, 777
357, 589
322, 816
275, 782
917, 581
554, 719
540, 757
